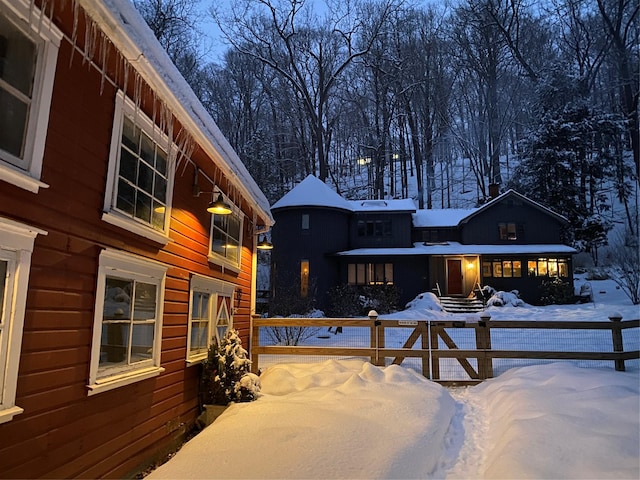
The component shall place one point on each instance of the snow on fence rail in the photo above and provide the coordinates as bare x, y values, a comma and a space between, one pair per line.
446, 351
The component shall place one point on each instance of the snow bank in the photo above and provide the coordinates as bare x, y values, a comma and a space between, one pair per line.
425, 301
346, 419
560, 421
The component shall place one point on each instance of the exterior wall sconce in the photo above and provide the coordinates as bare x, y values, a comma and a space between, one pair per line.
238, 297
219, 206
264, 244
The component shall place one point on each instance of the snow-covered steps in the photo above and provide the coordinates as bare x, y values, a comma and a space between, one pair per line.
461, 304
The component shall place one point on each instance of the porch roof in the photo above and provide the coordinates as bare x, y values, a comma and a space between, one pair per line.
455, 248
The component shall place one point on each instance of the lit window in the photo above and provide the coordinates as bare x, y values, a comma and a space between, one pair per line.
210, 315
499, 268
140, 179
127, 321
226, 239
28, 58
552, 267
16, 245
304, 278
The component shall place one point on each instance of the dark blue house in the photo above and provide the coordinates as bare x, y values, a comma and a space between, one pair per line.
323, 240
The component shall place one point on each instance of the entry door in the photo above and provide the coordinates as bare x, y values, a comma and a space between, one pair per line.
454, 277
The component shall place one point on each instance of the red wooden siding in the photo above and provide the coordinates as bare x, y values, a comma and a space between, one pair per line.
63, 432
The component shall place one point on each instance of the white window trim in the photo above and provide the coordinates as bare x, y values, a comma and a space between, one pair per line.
38, 124
126, 266
214, 287
17, 238
218, 259
125, 106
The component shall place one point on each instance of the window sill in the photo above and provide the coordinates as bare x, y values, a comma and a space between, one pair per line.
20, 179
7, 414
226, 265
196, 360
116, 381
134, 227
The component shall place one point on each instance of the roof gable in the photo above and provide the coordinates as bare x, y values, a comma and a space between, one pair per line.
512, 193
312, 192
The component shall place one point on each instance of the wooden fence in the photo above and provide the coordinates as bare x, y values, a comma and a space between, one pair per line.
468, 342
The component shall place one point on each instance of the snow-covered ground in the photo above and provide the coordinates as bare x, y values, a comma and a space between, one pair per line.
349, 419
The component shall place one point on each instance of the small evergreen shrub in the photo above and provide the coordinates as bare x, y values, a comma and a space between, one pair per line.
225, 373
353, 300
556, 292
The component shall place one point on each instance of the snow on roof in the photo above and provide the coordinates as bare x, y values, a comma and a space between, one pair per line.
312, 192
399, 205
440, 217
128, 31
455, 248
512, 192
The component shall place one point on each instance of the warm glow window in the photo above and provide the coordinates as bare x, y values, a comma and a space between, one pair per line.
548, 267
502, 268
304, 278
226, 238
370, 273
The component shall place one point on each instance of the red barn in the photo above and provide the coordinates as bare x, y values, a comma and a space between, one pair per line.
114, 276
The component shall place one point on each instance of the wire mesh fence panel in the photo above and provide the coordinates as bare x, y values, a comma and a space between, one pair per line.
555, 340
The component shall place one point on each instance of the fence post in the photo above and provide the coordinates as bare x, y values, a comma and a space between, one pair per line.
254, 341
376, 337
616, 335
483, 342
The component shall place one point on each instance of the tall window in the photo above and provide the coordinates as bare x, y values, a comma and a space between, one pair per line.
305, 221
27, 66
140, 178
16, 245
548, 267
127, 321
304, 278
210, 314
226, 239
370, 273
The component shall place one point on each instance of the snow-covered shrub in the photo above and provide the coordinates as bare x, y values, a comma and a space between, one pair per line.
425, 301
501, 298
354, 300
225, 373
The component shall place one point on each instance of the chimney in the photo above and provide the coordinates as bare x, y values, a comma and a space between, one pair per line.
494, 190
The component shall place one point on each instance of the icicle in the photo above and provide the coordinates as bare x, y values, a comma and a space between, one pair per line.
125, 66
74, 31
103, 59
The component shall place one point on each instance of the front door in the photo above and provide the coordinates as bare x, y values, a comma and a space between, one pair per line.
454, 277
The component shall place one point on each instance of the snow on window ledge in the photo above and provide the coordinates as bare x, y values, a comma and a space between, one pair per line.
116, 381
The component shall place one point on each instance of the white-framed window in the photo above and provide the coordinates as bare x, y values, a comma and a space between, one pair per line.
226, 239
140, 178
127, 326
16, 246
210, 314
29, 45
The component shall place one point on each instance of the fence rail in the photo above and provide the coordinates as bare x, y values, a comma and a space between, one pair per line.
470, 348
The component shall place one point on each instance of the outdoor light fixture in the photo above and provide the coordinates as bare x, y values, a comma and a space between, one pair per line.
264, 244
219, 207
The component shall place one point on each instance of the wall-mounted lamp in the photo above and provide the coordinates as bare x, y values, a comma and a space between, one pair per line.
264, 244
238, 295
219, 206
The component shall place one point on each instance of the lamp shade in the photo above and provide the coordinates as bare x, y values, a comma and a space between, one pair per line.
219, 207
264, 244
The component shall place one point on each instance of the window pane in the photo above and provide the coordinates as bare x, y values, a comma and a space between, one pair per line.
117, 299
532, 268
114, 344
199, 337
145, 301
563, 268
218, 241
388, 272
234, 228
362, 279
3, 286
553, 267
145, 178
351, 274
497, 269
542, 267
130, 135
511, 231
362, 228
486, 269
502, 229
142, 342
305, 221
126, 197
17, 57
13, 123
506, 268
161, 161
517, 268
158, 215
128, 165
160, 188
147, 149
143, 206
